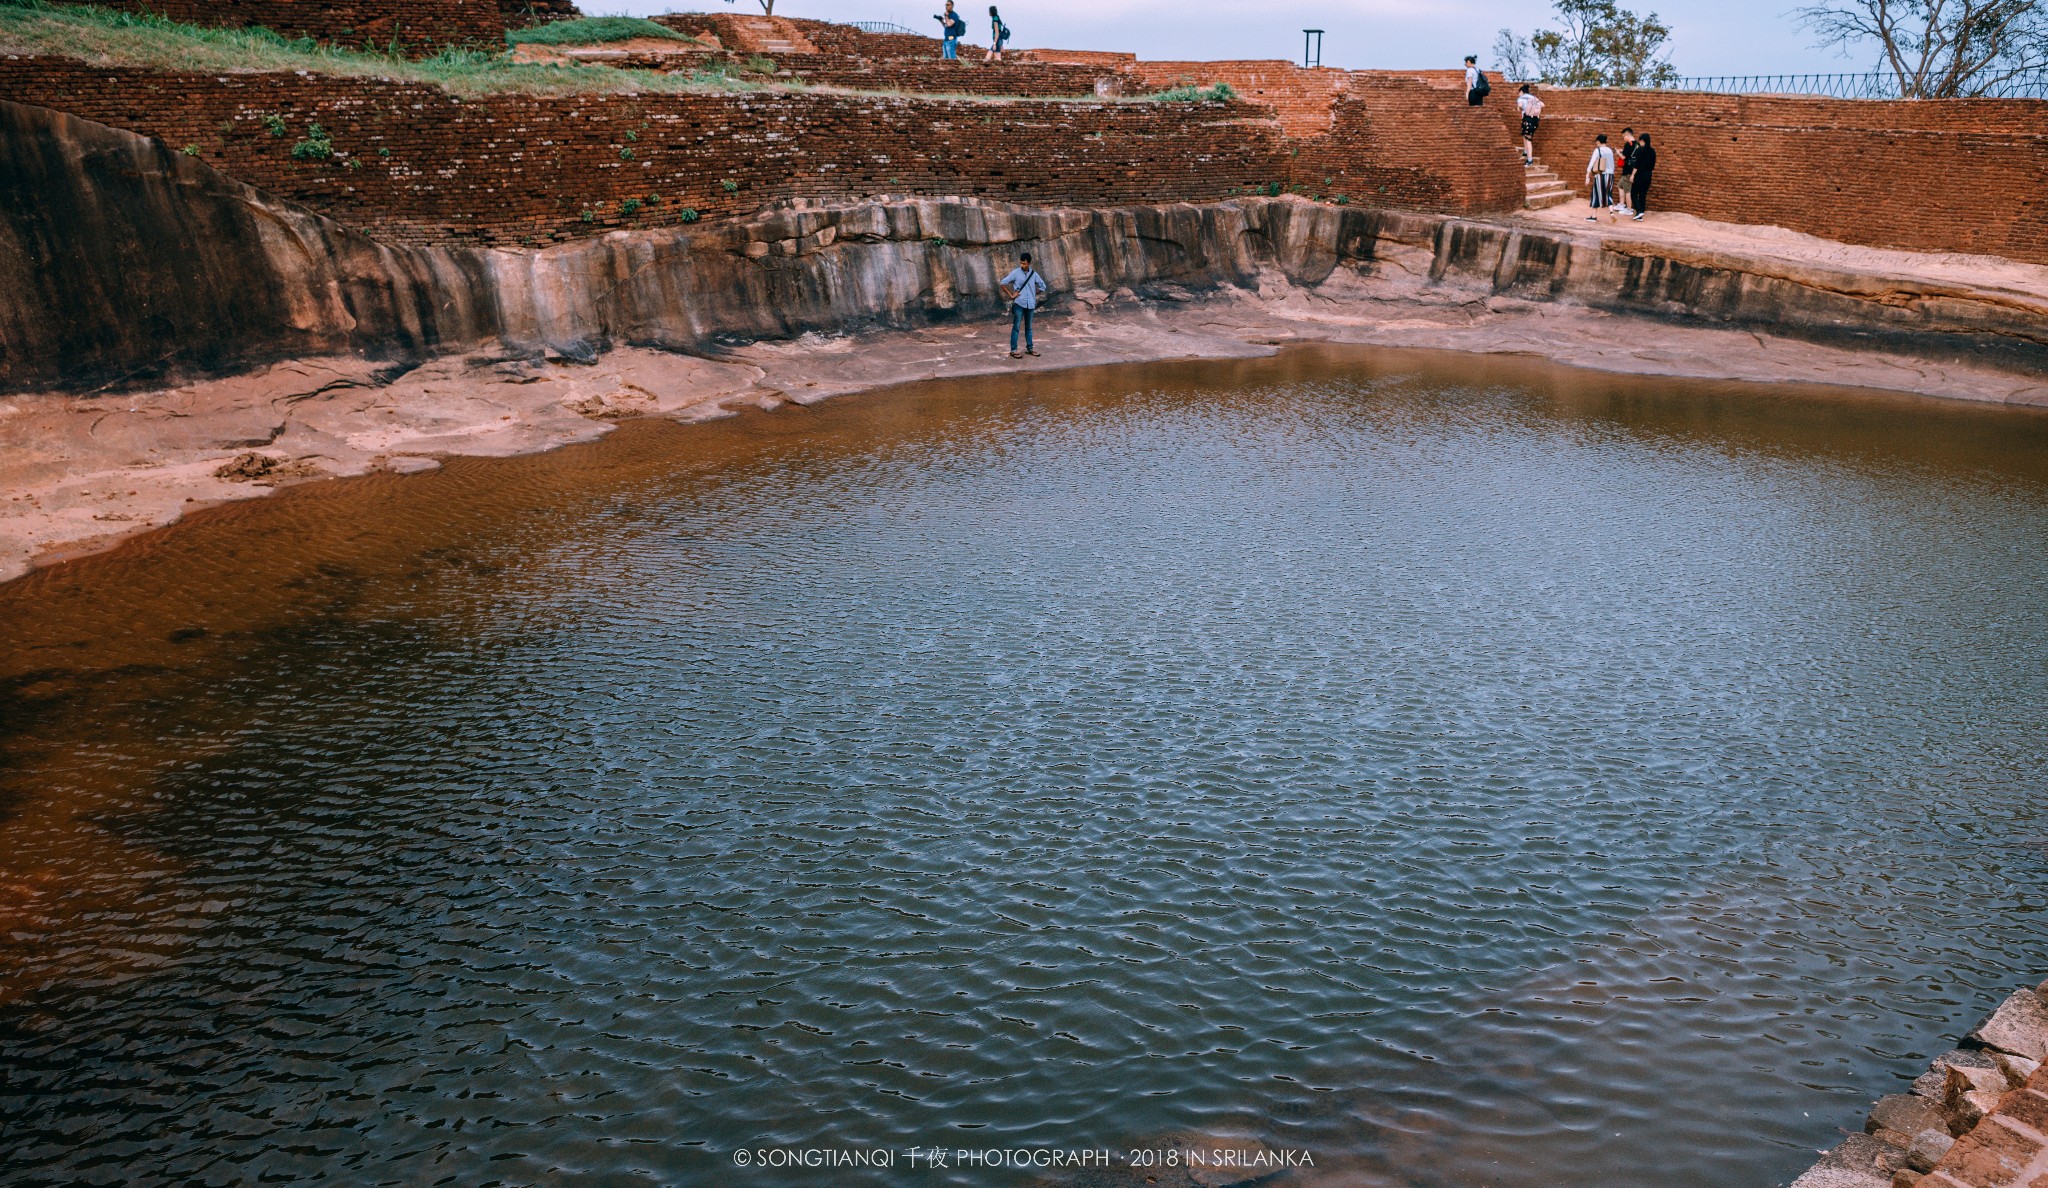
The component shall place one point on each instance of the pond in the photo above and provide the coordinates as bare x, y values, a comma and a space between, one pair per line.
1461, 770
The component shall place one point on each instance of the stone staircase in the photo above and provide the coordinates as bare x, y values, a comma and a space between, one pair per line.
772, 35
1545, 188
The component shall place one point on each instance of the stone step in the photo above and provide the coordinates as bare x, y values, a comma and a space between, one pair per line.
1546, 201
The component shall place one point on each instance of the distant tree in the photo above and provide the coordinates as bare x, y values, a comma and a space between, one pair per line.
767, 6
1940, 49
1601, 44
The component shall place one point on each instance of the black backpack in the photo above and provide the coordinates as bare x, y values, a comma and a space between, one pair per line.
1484, 88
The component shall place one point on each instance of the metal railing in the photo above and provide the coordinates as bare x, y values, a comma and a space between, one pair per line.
1873, 85
882, 27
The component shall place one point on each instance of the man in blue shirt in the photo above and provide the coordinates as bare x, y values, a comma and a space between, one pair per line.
951, 29
1022, 288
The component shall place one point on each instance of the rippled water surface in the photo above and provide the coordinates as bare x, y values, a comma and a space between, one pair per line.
1469, 772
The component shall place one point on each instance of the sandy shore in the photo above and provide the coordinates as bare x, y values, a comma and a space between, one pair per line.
79, 474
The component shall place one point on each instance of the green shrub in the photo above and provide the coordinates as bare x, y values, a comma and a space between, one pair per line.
317, 146
625, 154
760, 65
277, 126
630, 207
731, 186
1220, 93
190, 150
687, 215
589, 215
595, 31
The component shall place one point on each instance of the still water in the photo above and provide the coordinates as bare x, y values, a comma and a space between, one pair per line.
1469, 772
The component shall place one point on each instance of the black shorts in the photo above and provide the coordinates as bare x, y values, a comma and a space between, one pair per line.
1529, 125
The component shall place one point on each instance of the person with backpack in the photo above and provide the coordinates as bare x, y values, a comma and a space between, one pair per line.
1532, 117
1600, 176
1646, 166
951, 29
1022, 288
998, 34
1476, 86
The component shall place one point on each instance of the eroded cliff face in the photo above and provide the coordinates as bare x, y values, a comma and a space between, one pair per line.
126, 264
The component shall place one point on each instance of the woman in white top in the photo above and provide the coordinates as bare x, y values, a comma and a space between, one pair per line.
1532, 115
1600, 176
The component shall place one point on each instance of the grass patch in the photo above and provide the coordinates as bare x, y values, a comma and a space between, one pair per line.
109, 37
595, 31
1220, 93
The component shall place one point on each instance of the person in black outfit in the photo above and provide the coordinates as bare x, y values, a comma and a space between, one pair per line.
1645, 165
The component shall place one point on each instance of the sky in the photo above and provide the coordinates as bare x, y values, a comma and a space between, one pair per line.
1709, 36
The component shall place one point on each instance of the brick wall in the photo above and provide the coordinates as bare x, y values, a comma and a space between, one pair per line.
414, 164
1377, 137
1101, 59
420, 26
1301, 98
929, 75
1395, 141
1961, 175
834, 38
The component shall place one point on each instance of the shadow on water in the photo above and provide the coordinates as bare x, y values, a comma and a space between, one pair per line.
1471, 770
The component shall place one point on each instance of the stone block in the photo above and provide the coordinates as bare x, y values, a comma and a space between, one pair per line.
1928, 1148
2017, 1069
2018, 1026
1858, 1161
1907, 1113
1991, 1156
2028, 1107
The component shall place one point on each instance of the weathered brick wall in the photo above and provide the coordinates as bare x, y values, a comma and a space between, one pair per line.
1382, 138
1959, 175
834, 38
1394, 141
419, 26
1101, 59
414, 164
1302, 98
932, 76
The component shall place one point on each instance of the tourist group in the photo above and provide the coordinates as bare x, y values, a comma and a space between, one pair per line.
1618, 183
953, 27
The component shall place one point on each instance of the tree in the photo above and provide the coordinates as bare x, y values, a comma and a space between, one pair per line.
1940, 49
1601, 45
767, 6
